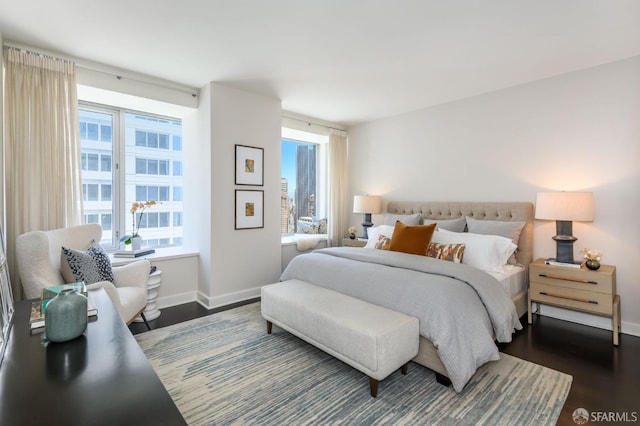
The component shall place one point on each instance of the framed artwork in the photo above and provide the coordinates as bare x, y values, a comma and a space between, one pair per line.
249, 209
249, 165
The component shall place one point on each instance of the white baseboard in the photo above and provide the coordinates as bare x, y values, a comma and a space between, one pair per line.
176, 299
227, 299
587, 319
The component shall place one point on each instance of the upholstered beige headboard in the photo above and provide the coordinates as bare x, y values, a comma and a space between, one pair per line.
504, 211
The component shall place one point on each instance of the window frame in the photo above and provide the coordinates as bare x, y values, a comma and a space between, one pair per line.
321, 141
118, 168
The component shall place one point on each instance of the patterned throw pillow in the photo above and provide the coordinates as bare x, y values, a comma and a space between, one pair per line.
90, 266
383, 242
450, 252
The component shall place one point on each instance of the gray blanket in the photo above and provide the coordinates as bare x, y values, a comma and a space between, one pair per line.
462, 310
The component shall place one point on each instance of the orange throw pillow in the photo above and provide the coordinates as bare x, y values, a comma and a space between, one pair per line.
411, 239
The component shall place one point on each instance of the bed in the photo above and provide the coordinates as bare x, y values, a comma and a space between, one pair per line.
351, 270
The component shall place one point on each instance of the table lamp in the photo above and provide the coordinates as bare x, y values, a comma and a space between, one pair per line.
564, 208
366, 204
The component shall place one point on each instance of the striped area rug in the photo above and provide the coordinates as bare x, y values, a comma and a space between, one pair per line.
225, 369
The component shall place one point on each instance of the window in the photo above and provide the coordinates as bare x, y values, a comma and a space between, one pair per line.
147, 166
177, 143
152, 139
303, 194
90, 191
177, 168
126, 163
105, 192
177, 193
105, 163
177, 219
158, 193
92, 162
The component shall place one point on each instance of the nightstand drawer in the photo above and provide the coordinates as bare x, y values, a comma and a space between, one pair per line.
588, 301
578, 279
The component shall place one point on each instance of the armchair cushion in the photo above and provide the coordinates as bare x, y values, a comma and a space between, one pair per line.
134, 274
128, 301
91, 265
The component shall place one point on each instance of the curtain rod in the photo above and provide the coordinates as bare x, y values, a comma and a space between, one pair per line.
312, 123
119, 75
40, 54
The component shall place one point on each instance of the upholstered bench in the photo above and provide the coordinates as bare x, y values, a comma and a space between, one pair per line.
370, 338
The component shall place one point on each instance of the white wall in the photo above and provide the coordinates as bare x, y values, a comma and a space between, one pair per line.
197, 221
578, 131
234, 263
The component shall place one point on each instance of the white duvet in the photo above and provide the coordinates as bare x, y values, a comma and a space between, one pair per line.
462, 310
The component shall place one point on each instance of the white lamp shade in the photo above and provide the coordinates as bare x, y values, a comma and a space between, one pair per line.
568, 206
367, 204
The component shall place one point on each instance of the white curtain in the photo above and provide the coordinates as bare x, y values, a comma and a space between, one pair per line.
42, 148
338, 187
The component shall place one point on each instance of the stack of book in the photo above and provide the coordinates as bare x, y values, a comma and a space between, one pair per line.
554, 262
39, 307
134, 253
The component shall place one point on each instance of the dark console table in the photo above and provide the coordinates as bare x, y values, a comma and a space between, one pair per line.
101, 378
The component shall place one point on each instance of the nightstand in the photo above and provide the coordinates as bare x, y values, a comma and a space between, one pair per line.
357, 242
579, 289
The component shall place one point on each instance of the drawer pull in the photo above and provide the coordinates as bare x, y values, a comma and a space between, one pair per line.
593, 302
556, 277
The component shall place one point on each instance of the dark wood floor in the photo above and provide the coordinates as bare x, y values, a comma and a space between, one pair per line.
605, 378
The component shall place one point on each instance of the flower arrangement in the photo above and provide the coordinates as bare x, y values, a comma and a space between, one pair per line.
135, 207
591, 254
352, 232
592, 258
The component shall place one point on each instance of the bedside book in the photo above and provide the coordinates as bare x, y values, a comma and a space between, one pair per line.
554, 262
134, 253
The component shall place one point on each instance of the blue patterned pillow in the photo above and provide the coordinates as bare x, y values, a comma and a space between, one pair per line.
90, 266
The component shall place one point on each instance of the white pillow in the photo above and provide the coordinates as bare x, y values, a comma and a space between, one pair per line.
486, 252
374, 231
407, 219
454, 225
509, 230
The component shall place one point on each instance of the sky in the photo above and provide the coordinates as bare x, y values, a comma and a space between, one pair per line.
289, 165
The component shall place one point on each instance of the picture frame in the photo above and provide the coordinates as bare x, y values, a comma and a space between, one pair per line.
249, 165
249, 209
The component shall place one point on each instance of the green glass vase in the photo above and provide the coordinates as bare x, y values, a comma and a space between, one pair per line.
65, 316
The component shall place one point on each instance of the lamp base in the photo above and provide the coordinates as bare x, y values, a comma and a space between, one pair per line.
564, 241
366, 223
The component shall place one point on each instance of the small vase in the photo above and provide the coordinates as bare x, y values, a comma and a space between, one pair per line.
352, 236
65, 316
136, 243
592, 264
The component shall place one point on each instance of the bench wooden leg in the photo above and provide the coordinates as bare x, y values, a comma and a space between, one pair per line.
404, 369
373, 386
269, 327
443, 380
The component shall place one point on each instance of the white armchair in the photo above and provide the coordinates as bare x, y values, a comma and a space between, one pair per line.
38, 255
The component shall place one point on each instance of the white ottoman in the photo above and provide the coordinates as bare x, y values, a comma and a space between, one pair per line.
370, 338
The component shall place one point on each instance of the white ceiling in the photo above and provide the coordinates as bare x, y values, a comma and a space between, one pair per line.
345, 61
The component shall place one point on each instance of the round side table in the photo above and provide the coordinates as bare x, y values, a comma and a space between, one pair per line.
151, 311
